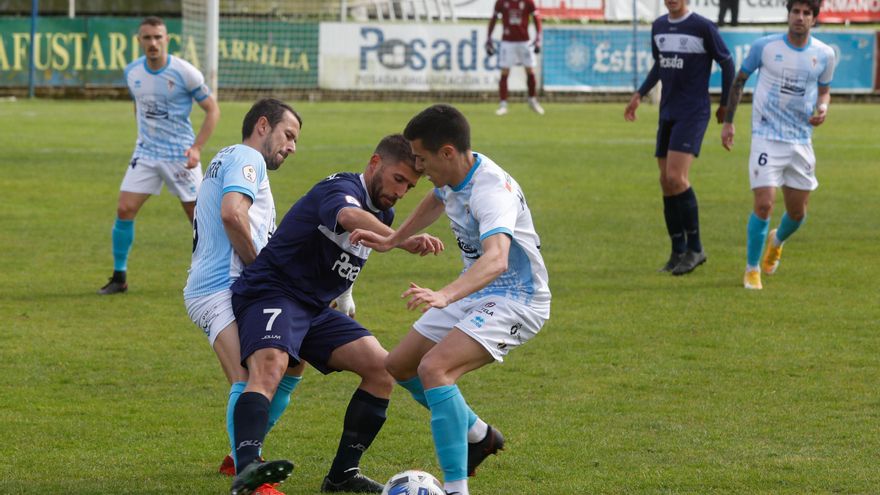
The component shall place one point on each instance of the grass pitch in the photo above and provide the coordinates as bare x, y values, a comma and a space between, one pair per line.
640, 382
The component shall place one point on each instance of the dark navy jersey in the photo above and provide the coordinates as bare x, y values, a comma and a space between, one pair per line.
309, 257
683, 51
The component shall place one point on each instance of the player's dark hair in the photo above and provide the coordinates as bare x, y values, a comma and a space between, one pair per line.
396, 148
152, 21
815, 5
439, 125
270, 108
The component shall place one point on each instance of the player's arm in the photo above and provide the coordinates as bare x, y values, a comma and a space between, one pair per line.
536, 18
234, 214
490, 266
212, 116
629, 114
728, 69
490, 45
426, 213
822, 106
733, 99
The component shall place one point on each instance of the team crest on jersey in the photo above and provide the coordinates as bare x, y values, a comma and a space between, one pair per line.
170, 85
815, 62
352, 200
250, 173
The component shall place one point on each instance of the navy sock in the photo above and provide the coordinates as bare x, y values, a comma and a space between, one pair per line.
363, 420
251, 418
690, 218
673, 224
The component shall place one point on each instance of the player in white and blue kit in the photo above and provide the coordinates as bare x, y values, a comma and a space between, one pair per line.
163, 88
791, 97
234, 218
683, 44
281, 303
499, 301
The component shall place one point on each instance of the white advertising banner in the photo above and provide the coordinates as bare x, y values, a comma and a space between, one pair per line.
409, 57
758, 11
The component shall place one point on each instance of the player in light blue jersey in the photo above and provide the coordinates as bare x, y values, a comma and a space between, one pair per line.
234, 218
683, 44
791, 97
499, 302
163, 88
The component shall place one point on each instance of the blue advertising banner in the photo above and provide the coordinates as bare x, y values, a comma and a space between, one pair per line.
616, 59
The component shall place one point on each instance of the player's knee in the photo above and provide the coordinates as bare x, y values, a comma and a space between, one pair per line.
126, 211
797, 216
431, 371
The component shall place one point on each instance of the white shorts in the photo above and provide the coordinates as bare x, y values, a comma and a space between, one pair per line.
777, 163
212, 313
146, 176
515, 53
495, 322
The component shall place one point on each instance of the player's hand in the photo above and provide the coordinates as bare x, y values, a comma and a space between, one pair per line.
424, 298
727, 133
371, 240
821, 113
193, 155
720, 113
630, 113
344, 304
423, 244
537, 45
490, 47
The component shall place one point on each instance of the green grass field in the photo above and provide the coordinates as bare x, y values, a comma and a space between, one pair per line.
639, 383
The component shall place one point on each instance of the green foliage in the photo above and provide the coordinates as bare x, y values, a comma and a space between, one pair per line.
640, 382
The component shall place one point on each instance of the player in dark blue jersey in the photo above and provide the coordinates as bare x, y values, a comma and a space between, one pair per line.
684, 44
281, 303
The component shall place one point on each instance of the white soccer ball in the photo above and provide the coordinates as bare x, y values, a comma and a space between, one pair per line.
413, 482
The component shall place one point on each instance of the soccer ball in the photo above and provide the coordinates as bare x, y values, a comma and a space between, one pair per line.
413, 482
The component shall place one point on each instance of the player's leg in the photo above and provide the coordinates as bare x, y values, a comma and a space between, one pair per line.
671, 215
141, 180
364, 416
441, 367
734, 12
502, 90
527, 59
403, 363
270, 334
685, 141
756, 234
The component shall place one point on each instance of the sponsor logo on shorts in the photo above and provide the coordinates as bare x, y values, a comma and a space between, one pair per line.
271, 337
478, 321
515, 328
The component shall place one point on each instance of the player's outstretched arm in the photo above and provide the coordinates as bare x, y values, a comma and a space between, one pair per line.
426, 213
423, 245
212, 116
490, 266
733, 99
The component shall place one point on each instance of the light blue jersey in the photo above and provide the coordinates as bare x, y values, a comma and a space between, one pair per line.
164, 101
490, 202
787, 87
215, 265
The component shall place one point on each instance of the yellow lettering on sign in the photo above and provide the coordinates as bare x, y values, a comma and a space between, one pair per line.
237, 50
118, 44
96, 55
253, 52
78, 41
4, 61
191, 52
60, 53
20, 48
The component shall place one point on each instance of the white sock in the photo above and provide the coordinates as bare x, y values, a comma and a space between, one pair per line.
503, 103
776, 241
458, 486
750, 268
478, 431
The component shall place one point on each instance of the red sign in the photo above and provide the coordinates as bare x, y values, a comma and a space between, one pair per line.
850, 11
572, 9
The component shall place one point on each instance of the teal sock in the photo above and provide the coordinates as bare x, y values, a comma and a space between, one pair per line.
417, 390
282, 398
787, 227
756, 234
123, 237
234, 392
449, 420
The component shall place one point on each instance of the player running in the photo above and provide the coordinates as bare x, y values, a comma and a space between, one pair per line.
791, 97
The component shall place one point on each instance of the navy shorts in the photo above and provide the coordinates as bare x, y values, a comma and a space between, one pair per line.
303, 331
685, 136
